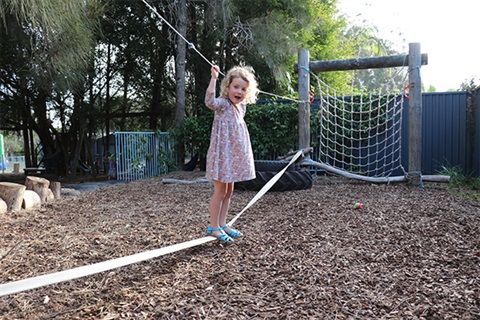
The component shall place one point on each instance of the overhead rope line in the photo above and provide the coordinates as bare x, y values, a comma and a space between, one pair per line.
192, 46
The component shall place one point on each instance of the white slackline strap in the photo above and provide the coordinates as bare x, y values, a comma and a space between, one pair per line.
52, 278
265, 188
57, 277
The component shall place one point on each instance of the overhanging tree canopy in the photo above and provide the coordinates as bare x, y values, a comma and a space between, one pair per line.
67, 80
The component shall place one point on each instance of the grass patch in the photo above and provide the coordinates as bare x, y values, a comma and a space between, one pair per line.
461, 185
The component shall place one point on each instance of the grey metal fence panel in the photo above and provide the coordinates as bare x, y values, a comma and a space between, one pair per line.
444, 141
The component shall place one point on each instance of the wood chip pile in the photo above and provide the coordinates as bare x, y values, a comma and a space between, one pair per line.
408, 253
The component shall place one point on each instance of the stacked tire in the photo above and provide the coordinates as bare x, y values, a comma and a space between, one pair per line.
292, 179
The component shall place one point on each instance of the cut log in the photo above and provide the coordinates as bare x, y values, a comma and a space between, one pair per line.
12, 194
31, 200
56, 187
50, 196
3, 206
39, 185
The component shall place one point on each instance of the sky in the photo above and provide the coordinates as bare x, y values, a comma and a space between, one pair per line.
446, 30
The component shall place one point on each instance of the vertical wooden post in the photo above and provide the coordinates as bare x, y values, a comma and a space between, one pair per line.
415, 112
304, 96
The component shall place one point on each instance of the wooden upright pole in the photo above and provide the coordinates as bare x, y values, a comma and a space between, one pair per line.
304, 96
415, 112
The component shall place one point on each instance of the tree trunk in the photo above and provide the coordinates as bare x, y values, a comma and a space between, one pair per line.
180, 79
76, 155
157, 73
124, 105
27, 133
26, 146
108, 78
33, 154
56, 188
43, 124
78, 130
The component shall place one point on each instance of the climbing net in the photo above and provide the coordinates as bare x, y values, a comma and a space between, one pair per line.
359, 133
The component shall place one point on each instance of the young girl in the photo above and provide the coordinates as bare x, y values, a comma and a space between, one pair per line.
230, 156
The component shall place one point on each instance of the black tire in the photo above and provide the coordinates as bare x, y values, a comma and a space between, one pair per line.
290, 180
272, 165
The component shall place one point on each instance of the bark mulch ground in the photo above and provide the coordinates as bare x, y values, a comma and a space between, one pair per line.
408, 253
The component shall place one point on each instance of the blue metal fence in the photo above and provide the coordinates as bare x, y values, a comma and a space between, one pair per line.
450, 132
140, 155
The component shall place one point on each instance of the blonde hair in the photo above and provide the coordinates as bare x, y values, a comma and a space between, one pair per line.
247, 74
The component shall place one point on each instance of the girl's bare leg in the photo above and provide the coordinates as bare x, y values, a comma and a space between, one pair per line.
226, 205
216, 204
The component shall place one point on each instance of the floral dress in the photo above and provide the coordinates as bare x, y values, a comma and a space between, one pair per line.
230, 155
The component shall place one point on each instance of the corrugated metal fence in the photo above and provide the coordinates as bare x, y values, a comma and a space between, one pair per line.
451, 132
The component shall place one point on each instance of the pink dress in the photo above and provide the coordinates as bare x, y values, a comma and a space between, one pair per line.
230, 155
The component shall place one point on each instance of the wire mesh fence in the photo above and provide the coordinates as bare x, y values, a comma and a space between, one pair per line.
140, 155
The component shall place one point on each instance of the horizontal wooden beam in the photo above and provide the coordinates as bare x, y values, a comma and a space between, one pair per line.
361, 63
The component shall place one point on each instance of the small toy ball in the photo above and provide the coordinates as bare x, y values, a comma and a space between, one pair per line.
358, 205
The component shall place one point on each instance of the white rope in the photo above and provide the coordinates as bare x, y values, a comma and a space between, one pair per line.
360, 134
62, 276
192, 46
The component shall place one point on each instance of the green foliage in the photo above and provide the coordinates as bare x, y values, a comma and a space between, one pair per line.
122, 77
13, 144
463, 185
166, 159
327, 39
195, 132
57, 36
470, 85
365, 42
273, 128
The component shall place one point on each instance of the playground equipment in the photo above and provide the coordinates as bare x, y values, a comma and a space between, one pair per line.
362, 139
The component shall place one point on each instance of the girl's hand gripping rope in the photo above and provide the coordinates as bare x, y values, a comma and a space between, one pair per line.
215, 71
